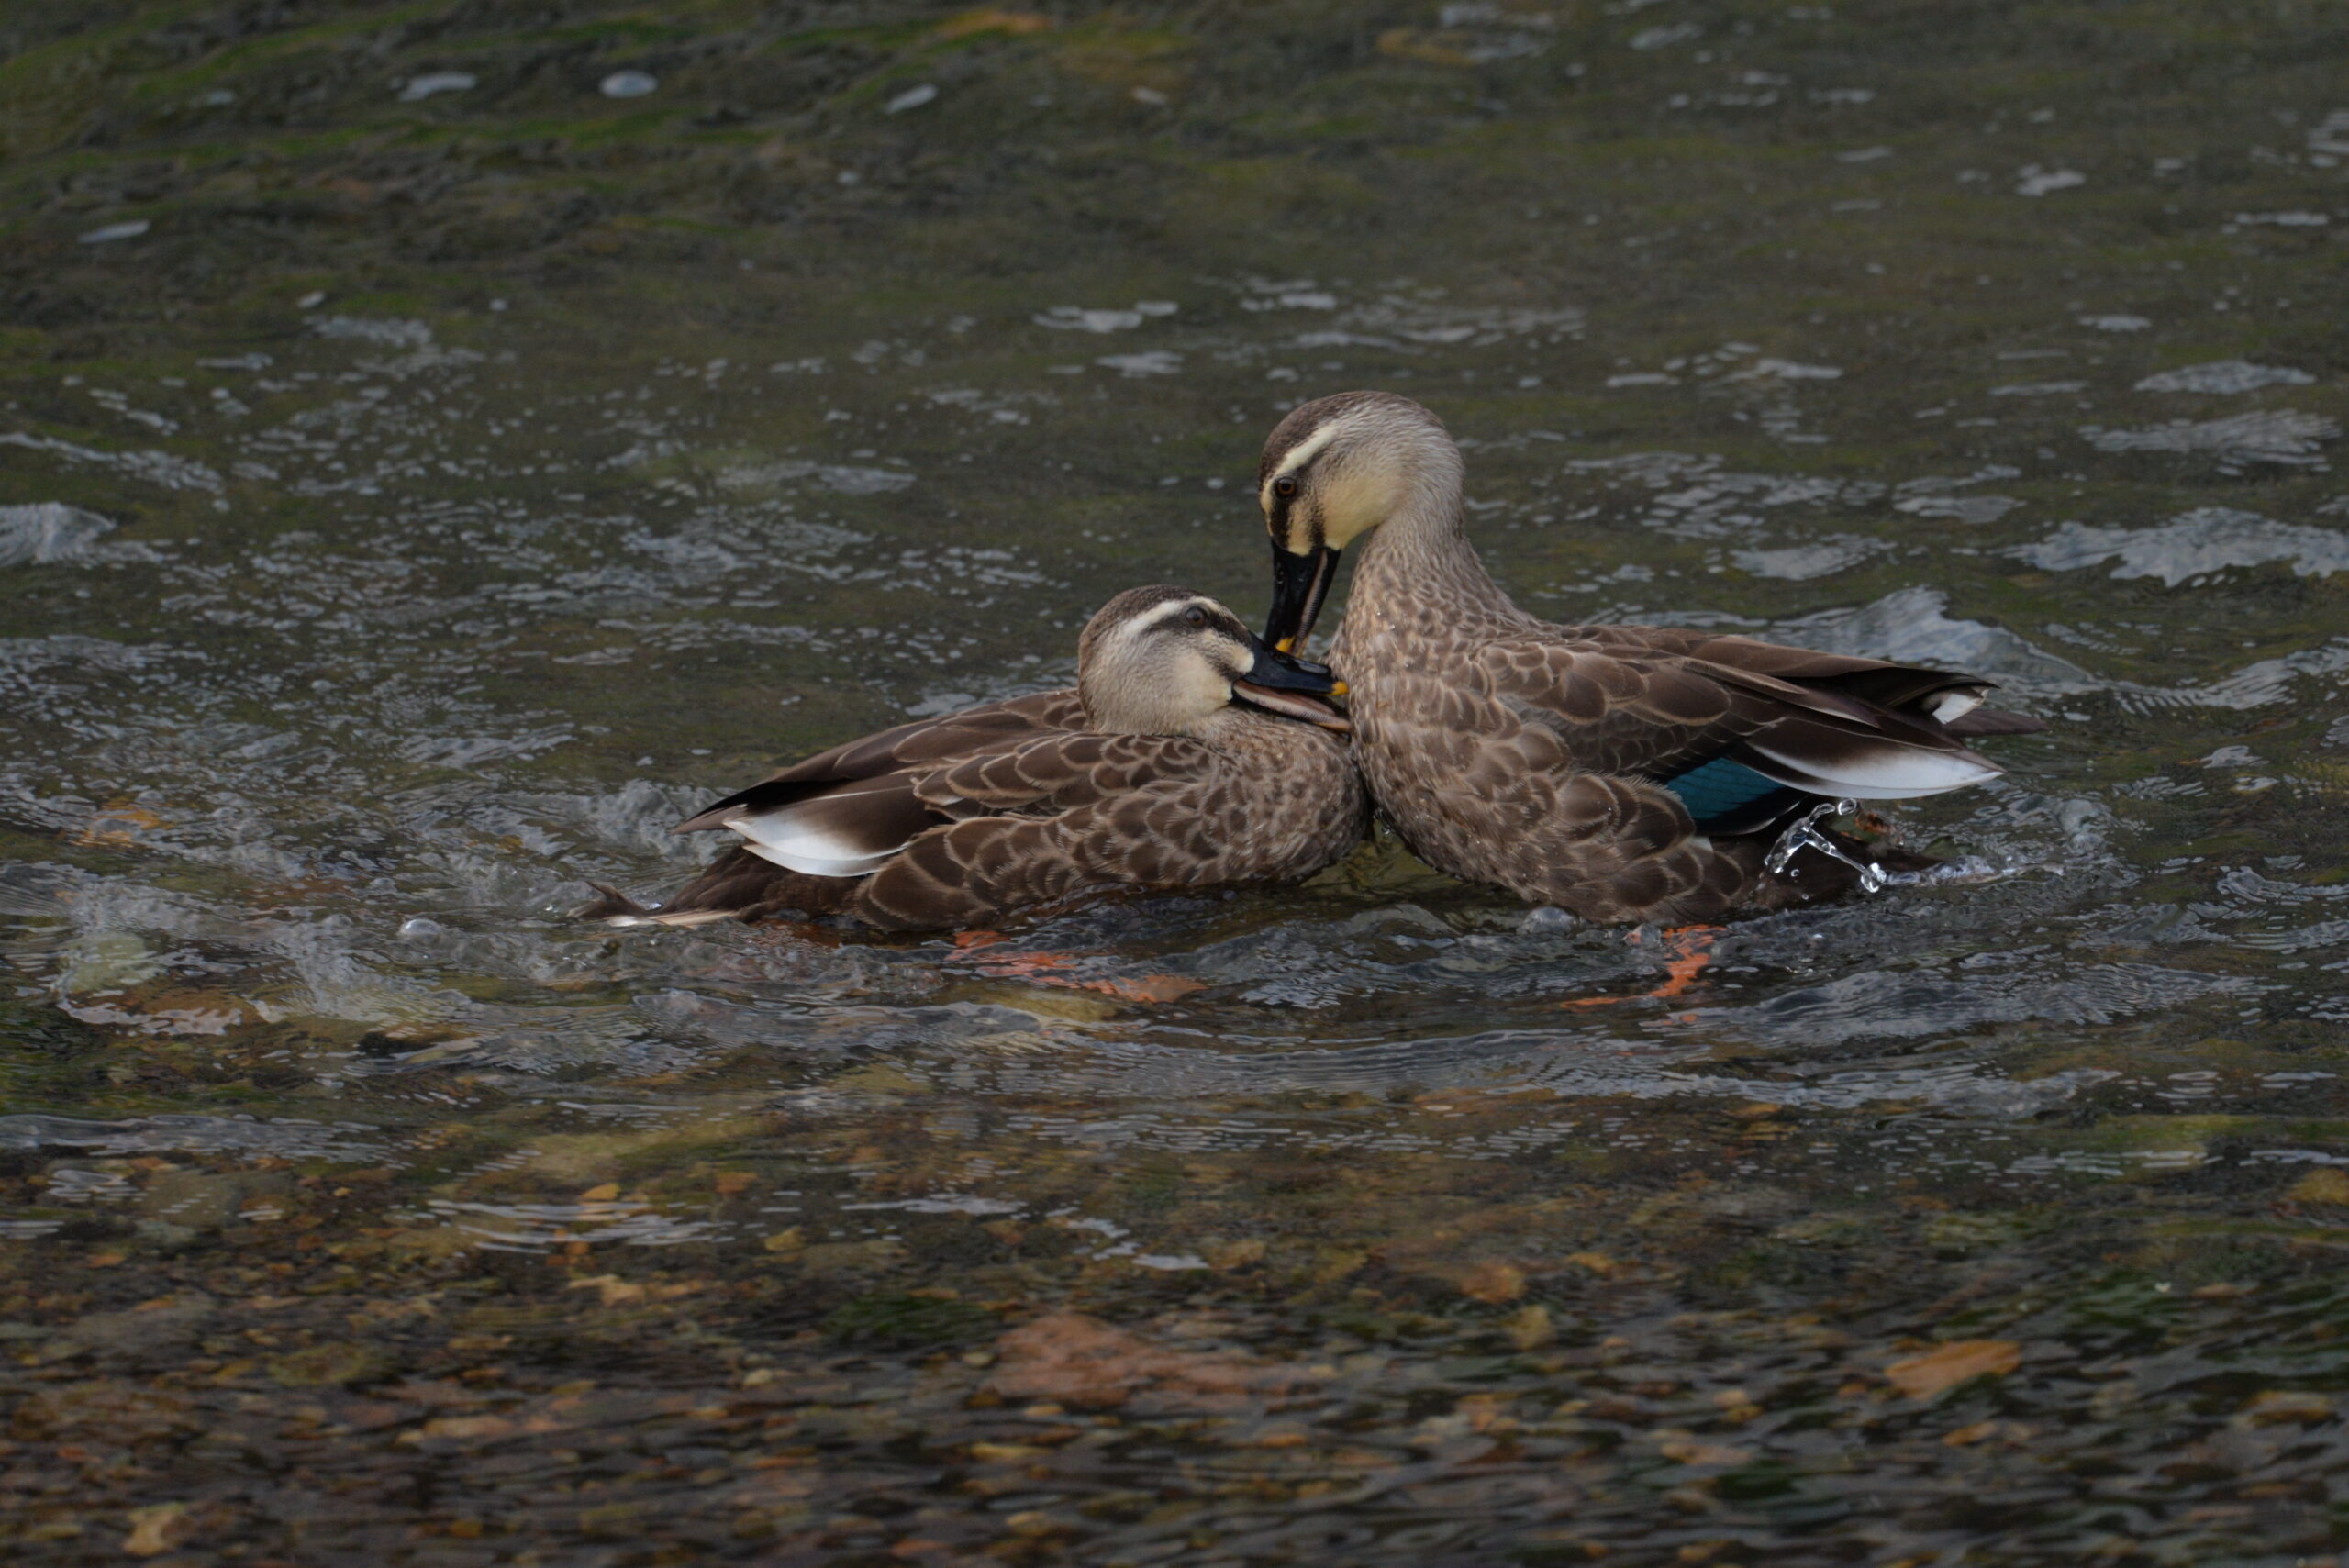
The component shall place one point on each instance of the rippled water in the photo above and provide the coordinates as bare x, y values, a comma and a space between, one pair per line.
447, 491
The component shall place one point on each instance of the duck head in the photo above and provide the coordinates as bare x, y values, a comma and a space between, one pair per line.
1164, 661
1332, 471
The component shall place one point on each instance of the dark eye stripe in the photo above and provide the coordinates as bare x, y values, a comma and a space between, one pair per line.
1282, 505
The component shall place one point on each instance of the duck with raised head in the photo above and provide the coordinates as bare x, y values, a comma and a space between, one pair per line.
1622, 772
1188, 755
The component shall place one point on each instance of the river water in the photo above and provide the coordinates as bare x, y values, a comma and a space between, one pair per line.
453, 486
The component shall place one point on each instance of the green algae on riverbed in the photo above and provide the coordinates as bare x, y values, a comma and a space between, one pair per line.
438, 498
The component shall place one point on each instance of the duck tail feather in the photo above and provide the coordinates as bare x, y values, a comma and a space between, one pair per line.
616, 908
610, 903
766, 795
1994, 721
1841, 761
1790, 702
850, 830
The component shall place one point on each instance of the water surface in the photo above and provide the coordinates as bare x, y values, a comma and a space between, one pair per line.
453, 486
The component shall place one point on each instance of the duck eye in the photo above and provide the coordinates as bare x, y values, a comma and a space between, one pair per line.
1285, 486
1195, 615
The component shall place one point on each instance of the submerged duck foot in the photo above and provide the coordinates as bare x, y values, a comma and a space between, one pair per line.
1688, 950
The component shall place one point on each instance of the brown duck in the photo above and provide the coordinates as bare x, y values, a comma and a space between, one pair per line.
1623, 772
1188, 755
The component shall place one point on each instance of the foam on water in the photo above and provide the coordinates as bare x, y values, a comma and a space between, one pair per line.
2206, 539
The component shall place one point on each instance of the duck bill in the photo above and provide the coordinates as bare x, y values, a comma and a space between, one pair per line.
1278, 683
1299, 585
1291, 704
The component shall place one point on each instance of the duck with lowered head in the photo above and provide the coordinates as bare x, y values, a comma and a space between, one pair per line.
1188, 755
1622, 772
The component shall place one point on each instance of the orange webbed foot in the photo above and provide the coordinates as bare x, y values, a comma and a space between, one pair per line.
1688, 950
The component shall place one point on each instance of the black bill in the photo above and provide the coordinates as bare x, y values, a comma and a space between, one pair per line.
1290, 687
1300, 583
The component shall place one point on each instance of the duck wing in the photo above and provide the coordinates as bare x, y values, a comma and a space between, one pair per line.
856, 827
1743, 732
1952, 697
989, 726
845, 812
1057, 772
1051, 820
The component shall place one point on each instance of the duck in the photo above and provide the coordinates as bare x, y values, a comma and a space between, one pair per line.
1622, 773
1189, 755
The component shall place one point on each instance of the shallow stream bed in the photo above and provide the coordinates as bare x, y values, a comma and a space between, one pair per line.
433, 462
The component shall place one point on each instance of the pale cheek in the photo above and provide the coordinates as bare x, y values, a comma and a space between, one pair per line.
1347, 513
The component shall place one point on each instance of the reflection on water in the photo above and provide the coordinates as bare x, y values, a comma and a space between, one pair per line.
447, 491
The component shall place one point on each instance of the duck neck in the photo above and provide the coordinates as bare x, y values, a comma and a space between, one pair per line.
1420, 557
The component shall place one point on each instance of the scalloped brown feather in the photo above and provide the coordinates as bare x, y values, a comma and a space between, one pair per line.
1029, 809
1509, 750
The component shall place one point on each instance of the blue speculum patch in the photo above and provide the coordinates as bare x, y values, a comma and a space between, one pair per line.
1714, 789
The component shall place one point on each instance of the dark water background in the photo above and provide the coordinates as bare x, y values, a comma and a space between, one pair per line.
445, 491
